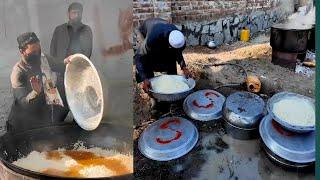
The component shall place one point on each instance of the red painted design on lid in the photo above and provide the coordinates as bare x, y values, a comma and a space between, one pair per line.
279, 129
195, 103
164, 126
209, 93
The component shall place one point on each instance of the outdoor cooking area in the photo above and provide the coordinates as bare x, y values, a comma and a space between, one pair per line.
248, 112
93, 140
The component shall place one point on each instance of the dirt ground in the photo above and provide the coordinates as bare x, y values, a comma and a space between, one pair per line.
217, 154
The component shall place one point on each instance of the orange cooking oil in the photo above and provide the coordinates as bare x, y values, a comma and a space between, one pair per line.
85, 159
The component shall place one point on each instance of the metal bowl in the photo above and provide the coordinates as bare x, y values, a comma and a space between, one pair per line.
176, 96
293, 147
211, 44
168, 138
204, 105
242, 113
84, 92
283, 95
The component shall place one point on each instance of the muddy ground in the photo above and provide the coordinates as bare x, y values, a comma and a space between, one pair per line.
216, 153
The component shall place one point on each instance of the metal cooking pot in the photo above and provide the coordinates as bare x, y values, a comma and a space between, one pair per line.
16, 145
287, 148
204, 105
312, 39
242, 113
168, 138
285, 163
176, 96
286, 38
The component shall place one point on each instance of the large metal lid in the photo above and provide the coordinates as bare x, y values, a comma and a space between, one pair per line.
294, 147
289, 95
84, 92
244, 110
168, 138
292, 26
204, 105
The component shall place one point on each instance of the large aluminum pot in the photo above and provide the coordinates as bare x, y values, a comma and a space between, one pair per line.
289, 38
176, 96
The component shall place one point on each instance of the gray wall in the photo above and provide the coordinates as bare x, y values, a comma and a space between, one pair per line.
42, 16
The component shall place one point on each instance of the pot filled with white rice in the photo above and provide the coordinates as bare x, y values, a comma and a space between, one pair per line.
171, 87
67, 151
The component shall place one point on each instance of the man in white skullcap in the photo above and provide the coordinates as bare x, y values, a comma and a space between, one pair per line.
160, 51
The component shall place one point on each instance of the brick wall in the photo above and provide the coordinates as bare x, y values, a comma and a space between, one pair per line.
205, 20
144, 9
179, 11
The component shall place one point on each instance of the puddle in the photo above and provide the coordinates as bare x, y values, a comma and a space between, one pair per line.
243, 159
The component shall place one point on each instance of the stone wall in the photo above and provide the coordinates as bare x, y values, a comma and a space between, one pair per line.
206, 20
227, 29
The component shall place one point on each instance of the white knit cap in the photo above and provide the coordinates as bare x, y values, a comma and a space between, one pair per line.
176, 39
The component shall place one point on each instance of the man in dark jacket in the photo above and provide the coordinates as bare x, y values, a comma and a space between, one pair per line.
160, 50
29, 108
68, 39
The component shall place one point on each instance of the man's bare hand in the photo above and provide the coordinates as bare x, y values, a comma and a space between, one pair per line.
67, 60
186, 72
146, 85
35, 84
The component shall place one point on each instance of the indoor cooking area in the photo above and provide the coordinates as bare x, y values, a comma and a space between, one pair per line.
246, 110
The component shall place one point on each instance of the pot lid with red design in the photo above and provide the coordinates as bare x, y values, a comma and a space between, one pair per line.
204, 105
168, 138
294, 147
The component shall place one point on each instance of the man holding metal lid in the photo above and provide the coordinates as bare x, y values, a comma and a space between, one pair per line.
160, 50
33, 86
68, 39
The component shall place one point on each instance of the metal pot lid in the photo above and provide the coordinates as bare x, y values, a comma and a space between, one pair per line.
168, 138
204, 105
294, 147
288, 95
244, 110
292, 26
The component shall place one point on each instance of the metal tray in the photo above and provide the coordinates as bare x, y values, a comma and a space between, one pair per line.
168, 138
204, 105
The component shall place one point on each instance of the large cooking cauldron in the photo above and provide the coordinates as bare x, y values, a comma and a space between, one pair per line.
312, 39
16, 145
289, 42
289, 38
